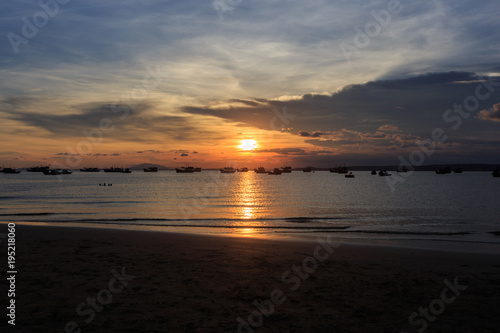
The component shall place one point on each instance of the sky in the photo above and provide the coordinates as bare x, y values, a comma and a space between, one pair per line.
319, 83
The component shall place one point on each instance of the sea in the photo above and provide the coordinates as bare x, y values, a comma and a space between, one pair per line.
448, 211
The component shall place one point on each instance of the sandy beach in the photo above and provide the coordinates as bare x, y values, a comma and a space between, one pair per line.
105, 280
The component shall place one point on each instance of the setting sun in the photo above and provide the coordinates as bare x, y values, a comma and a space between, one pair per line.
248, 144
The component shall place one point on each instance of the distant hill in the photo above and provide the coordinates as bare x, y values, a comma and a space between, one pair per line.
145, 165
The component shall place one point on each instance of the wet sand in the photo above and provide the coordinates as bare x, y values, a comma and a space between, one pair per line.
105, 280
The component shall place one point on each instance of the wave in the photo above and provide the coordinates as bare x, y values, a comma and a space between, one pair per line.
28, 214
39, 214
198, 225
418, 233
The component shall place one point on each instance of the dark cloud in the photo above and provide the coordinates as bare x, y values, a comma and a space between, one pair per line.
384, 113
150, 151
283, 151
108, 120
313, 134
492, 114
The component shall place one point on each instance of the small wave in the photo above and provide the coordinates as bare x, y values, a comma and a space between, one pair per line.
40, 214
202, 225
28, 214
419, 233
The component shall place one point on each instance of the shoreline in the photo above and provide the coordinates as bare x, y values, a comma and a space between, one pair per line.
451, 245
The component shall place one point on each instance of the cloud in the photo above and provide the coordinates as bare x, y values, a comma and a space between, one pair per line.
492, 114
313, 134
282, 151
389, 112
104, 120
150, 151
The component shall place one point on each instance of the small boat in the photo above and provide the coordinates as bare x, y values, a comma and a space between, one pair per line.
38, 169
340, 169
113, 169
260, 170
228, 170
349, 175
458, 170
127, 170
187, 169
52, 172
197, 169
308, 169
90, 170
244, 169
443, 171
66, 172
286, 169
151, 169
496, 173
276, 171
374, 172
384, 173
10, 170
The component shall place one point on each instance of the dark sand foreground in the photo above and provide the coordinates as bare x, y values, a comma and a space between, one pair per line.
164, 282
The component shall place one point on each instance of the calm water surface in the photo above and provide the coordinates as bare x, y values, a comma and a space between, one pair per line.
460, 207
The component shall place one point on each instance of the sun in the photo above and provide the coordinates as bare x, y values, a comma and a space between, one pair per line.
248, 145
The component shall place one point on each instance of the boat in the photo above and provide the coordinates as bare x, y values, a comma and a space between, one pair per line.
244, 169
52, 172
286, 169
151, 169
308, 169
276, 171
384, 173
443, 171
496, 173
374, 172
340, 169
458, 170
402, 169
260, 170
349, 175
10, 170
66, 172
90, 170
38, 169
197, 169
187, 169
113, 169
127, 170
228, 170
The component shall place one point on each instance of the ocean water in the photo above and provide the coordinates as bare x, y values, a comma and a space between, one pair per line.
426, 206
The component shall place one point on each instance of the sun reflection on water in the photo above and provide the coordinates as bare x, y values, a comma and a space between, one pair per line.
246, 197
